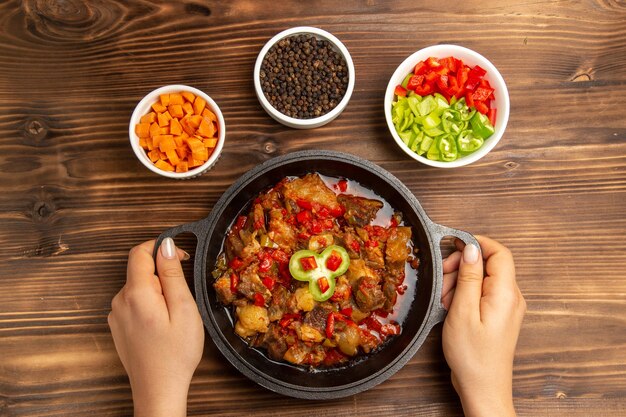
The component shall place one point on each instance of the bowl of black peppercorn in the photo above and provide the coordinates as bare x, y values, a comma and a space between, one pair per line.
304, 77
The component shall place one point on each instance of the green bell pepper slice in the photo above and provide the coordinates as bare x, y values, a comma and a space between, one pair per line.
481, 126
331, 263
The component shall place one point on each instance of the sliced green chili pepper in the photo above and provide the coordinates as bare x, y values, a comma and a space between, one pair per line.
331, 263
406, 80
447, 148
481, 126
467, 142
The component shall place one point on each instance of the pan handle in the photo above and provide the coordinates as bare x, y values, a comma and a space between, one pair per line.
439, 231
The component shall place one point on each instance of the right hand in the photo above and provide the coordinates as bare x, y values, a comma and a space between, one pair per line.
485, 312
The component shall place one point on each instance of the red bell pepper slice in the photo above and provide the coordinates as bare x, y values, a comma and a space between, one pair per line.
400, 91
342, 185
491, 114
304, 216
414, 82
442, 82
241, 222
265, 264
433, 62
304, 204
236, 263
425, 89
481, 107
234, 282
478, 71
334, 261
330, 325
482, 93
469, 100
269, 283
259, 301
462, 76
322, 284
420, 68
449, 63
308, 263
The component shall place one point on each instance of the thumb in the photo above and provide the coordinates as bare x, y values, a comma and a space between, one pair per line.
469, 282
170, 273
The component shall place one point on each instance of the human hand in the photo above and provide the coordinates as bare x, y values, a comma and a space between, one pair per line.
157, 330
483, 323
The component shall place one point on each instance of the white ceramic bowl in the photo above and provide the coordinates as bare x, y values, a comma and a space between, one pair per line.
291, 121
470, 58
144, 107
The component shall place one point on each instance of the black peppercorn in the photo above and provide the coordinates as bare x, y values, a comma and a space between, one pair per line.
303, 77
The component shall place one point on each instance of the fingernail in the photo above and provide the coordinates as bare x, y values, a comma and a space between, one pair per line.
470, 254
186, 256
168, 249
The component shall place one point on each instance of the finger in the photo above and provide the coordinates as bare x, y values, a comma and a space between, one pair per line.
449, 282
498, 258
140, 268
469, 283
451, 263
170, 272
447, 299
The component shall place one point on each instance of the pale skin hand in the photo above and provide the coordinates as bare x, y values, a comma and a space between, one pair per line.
481, 329
157, 330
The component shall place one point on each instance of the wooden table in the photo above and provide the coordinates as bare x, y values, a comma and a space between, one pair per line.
74, 199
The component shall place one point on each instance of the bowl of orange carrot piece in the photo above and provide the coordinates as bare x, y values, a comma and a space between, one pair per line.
177, 131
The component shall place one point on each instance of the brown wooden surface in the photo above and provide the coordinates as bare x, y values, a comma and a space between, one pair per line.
74, 200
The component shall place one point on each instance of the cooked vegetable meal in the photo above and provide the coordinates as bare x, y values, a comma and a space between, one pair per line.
319, 270
443, 109
180, 133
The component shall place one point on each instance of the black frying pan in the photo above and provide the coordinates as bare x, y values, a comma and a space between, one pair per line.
426, 309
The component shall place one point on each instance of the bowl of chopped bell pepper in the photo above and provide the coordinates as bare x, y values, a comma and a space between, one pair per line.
446, 106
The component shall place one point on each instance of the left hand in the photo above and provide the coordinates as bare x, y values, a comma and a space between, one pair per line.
157, 330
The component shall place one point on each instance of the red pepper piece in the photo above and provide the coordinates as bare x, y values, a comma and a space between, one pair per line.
315, 227
259, 301
482, 93
462, 76
334, 261
322, 284
234, 282
425, 90
371, 244
355, 246
265, 264
241, 222
337, 211
393, 222
481, 107
304, 204
269, 282
415, 82
330, 325
342, 185
478, 71
491, 114
449, 63
420, 68
308, 263
469, 100
442, 82
389, 329
333, 356
324, 212
235, 263
373, 324
346, 311
400, 91
304, 216
288, 318
432, 62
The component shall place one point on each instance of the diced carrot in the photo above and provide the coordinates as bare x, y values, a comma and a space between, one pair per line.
154, 129
165, 99
182, 152
149, 143
163, 119
179, 141
201, 154
148, 118
158, 107
153, 155
173, 157
193, 162
165, 166
188, 108
208, 113
142, 130
189, 96
194, 121
166, 143
210, 143
188, 129
182, 166
176, 110
155, 140
162, 155
176, 98
175, 127
194, 144
142, 143
164, 130
198, 105
206, 128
